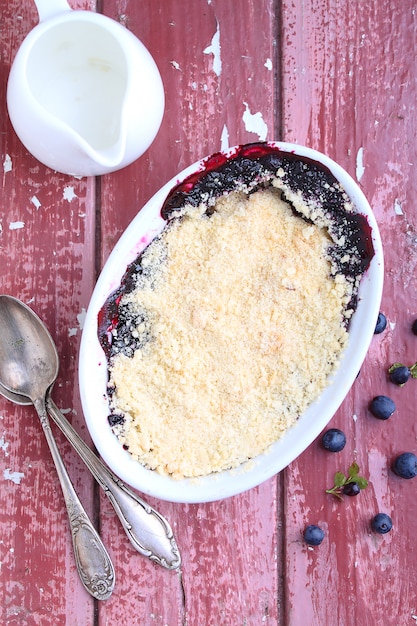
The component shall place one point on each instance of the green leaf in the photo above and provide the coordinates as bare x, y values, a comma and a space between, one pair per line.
339, 479
413, 370
395, 366
362, 482
353, 470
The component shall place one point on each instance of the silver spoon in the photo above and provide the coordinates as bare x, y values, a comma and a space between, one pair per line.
148, 531
29, 367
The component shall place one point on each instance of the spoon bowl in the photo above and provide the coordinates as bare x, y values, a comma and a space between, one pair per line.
29, 361
16, 398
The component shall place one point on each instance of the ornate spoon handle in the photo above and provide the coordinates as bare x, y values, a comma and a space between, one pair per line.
93, 562
148, 531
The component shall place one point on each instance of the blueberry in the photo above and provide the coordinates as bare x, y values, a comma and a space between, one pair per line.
414, 327
381, 523
400, 375
351, 489
334, 440
381, 324
114, 419
313, 535
382, 407
405, 465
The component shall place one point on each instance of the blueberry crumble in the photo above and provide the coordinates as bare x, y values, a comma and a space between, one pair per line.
227, 326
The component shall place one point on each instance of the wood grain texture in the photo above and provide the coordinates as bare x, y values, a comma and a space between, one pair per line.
211, 96
349, 85
229, 549
47, 238
340, 77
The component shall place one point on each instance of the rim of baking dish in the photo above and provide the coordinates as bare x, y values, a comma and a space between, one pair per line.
93, 373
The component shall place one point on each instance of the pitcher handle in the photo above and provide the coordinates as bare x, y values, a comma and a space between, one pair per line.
50, 8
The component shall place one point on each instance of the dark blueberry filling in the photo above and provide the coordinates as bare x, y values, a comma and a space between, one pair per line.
115, 419
251, 167
118, 323
254, 166
127, 341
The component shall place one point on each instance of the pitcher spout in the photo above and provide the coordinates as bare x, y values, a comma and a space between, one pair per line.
110, 157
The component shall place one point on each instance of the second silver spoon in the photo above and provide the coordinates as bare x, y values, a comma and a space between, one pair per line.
148, 531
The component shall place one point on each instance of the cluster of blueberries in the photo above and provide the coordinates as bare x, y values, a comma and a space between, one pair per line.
404, 465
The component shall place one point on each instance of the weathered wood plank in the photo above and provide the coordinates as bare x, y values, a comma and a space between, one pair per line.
217, 65
349, 90
47, 225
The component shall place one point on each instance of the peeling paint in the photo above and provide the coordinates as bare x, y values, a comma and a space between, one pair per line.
16, 225
4, 445
81, 318
268, 64
34, 200
224, 139
7, 164
214, 48
254, 123
15, 477
69, 193
398, 208
176, 65
360, 169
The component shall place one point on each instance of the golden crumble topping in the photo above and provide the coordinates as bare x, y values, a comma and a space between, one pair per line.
240, 325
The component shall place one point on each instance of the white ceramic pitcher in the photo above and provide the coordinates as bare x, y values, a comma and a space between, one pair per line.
84, 95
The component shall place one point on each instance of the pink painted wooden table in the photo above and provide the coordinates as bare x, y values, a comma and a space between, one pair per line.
340, 77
